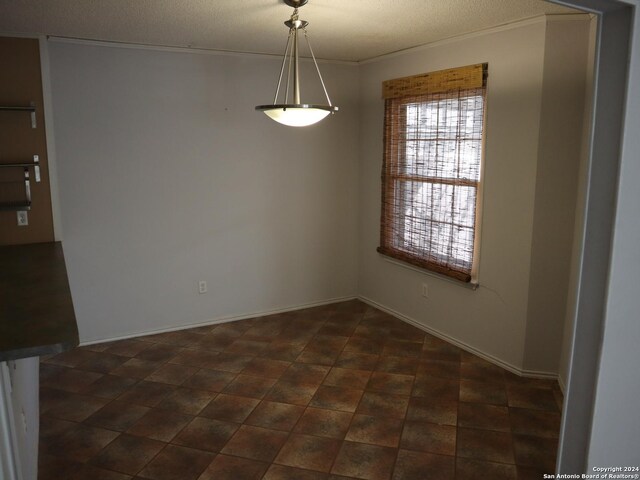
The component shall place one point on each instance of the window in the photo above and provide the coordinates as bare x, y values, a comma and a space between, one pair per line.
432, 169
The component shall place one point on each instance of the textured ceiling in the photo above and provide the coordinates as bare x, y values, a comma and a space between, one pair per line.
339, 29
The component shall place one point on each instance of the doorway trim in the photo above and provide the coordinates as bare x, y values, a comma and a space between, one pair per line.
611, 72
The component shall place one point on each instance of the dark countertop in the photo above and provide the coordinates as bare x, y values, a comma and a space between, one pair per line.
36, 311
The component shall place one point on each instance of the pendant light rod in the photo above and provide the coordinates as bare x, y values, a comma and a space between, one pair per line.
317, 68
296, 70
284, 61
294, 25
290, 66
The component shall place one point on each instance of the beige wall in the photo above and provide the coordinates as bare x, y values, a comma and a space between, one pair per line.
567, 336
492, 320
559, 155
167, 176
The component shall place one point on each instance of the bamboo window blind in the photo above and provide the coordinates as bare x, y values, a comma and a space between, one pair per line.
431, 171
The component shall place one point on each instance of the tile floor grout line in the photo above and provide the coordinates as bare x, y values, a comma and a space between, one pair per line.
528, 394
291, 432
353, 414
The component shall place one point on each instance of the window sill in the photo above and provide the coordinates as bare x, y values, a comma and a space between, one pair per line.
472, 285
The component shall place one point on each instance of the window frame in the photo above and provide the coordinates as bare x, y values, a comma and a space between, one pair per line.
447, 84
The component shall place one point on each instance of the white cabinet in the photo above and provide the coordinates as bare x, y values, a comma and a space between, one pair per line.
19, 419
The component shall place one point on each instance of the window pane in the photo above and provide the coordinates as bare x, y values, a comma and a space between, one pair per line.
435, 220
465, 206
443, 138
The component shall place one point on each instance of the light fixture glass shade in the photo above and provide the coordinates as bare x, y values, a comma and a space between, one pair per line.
297, 115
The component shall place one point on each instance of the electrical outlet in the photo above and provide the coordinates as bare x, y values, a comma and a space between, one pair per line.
23, 218
202, 286
425, 290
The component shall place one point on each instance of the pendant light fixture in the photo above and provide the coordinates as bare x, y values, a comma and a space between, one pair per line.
296, 113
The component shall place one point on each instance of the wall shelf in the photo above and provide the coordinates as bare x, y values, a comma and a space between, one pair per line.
31, 109
16, 195
15, 207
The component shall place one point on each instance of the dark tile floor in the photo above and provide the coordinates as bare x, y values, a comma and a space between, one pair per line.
334, 392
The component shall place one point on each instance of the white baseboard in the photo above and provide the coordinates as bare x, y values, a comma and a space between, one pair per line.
390, 311
561, 383
224, 319
496, 361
